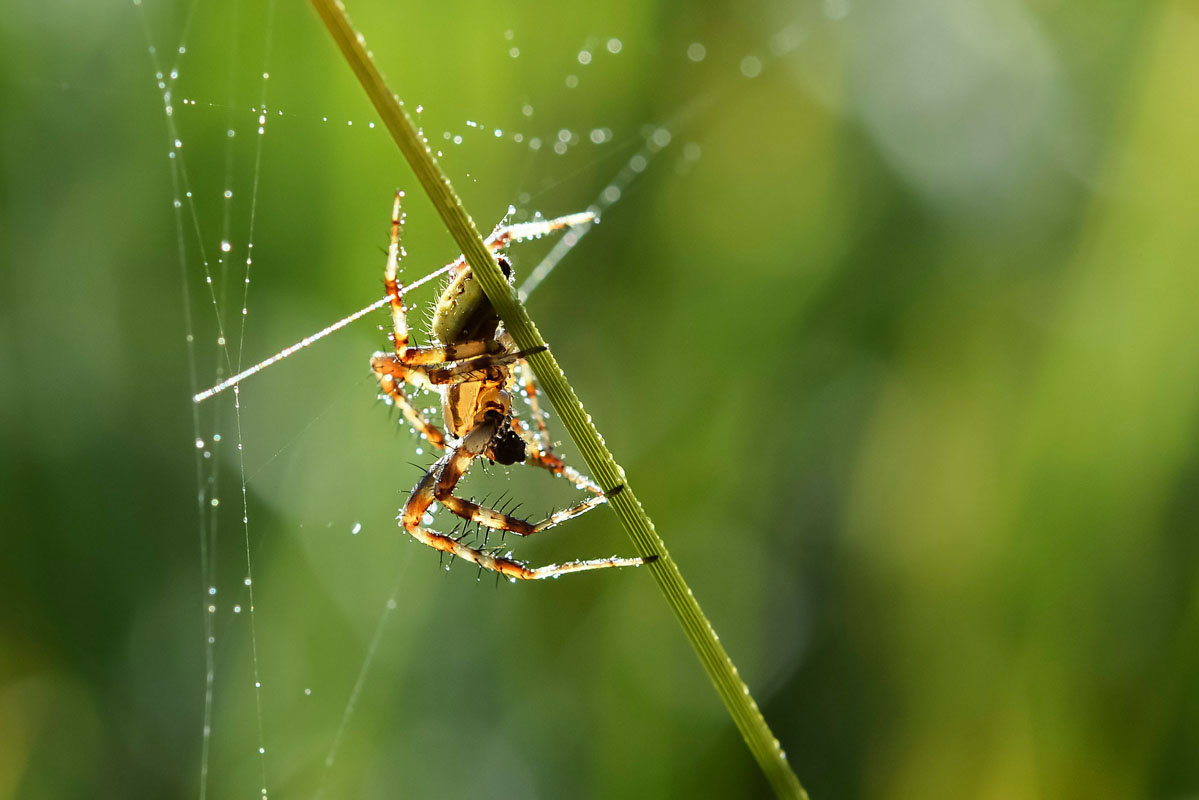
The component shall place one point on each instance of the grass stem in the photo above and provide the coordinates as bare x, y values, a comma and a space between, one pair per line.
716, 662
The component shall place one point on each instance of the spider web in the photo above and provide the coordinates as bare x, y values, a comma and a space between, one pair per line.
239, 118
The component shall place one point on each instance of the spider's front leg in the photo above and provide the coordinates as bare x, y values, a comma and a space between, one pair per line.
410, 364
438, 485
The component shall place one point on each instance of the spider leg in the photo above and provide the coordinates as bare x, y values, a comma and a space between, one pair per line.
399, 319
438, 484
390, 385
539, 447
542, 437
472, 369
452, 472
536, 457
391, 371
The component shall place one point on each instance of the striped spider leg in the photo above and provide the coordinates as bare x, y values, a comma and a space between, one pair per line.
472, 368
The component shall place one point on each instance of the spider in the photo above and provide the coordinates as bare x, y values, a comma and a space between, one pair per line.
472, 368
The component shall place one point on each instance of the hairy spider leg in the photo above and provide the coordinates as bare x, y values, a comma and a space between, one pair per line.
540, 450
542, 437
390, 370
438, 485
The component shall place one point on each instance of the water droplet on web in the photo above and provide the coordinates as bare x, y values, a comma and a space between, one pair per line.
614, 46
696, 52
354, 531
572, 81
584, 57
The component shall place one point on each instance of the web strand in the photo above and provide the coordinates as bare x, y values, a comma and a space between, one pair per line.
207, 484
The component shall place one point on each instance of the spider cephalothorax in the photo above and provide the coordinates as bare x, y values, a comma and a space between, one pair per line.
472, 367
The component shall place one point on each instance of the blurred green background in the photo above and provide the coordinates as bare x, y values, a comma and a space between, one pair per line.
896, 341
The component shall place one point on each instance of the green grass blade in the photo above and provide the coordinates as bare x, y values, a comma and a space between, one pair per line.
716, 662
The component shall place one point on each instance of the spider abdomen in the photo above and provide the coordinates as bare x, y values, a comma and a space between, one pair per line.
463, 311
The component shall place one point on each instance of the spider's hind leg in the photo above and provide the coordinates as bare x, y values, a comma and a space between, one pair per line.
438, 485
